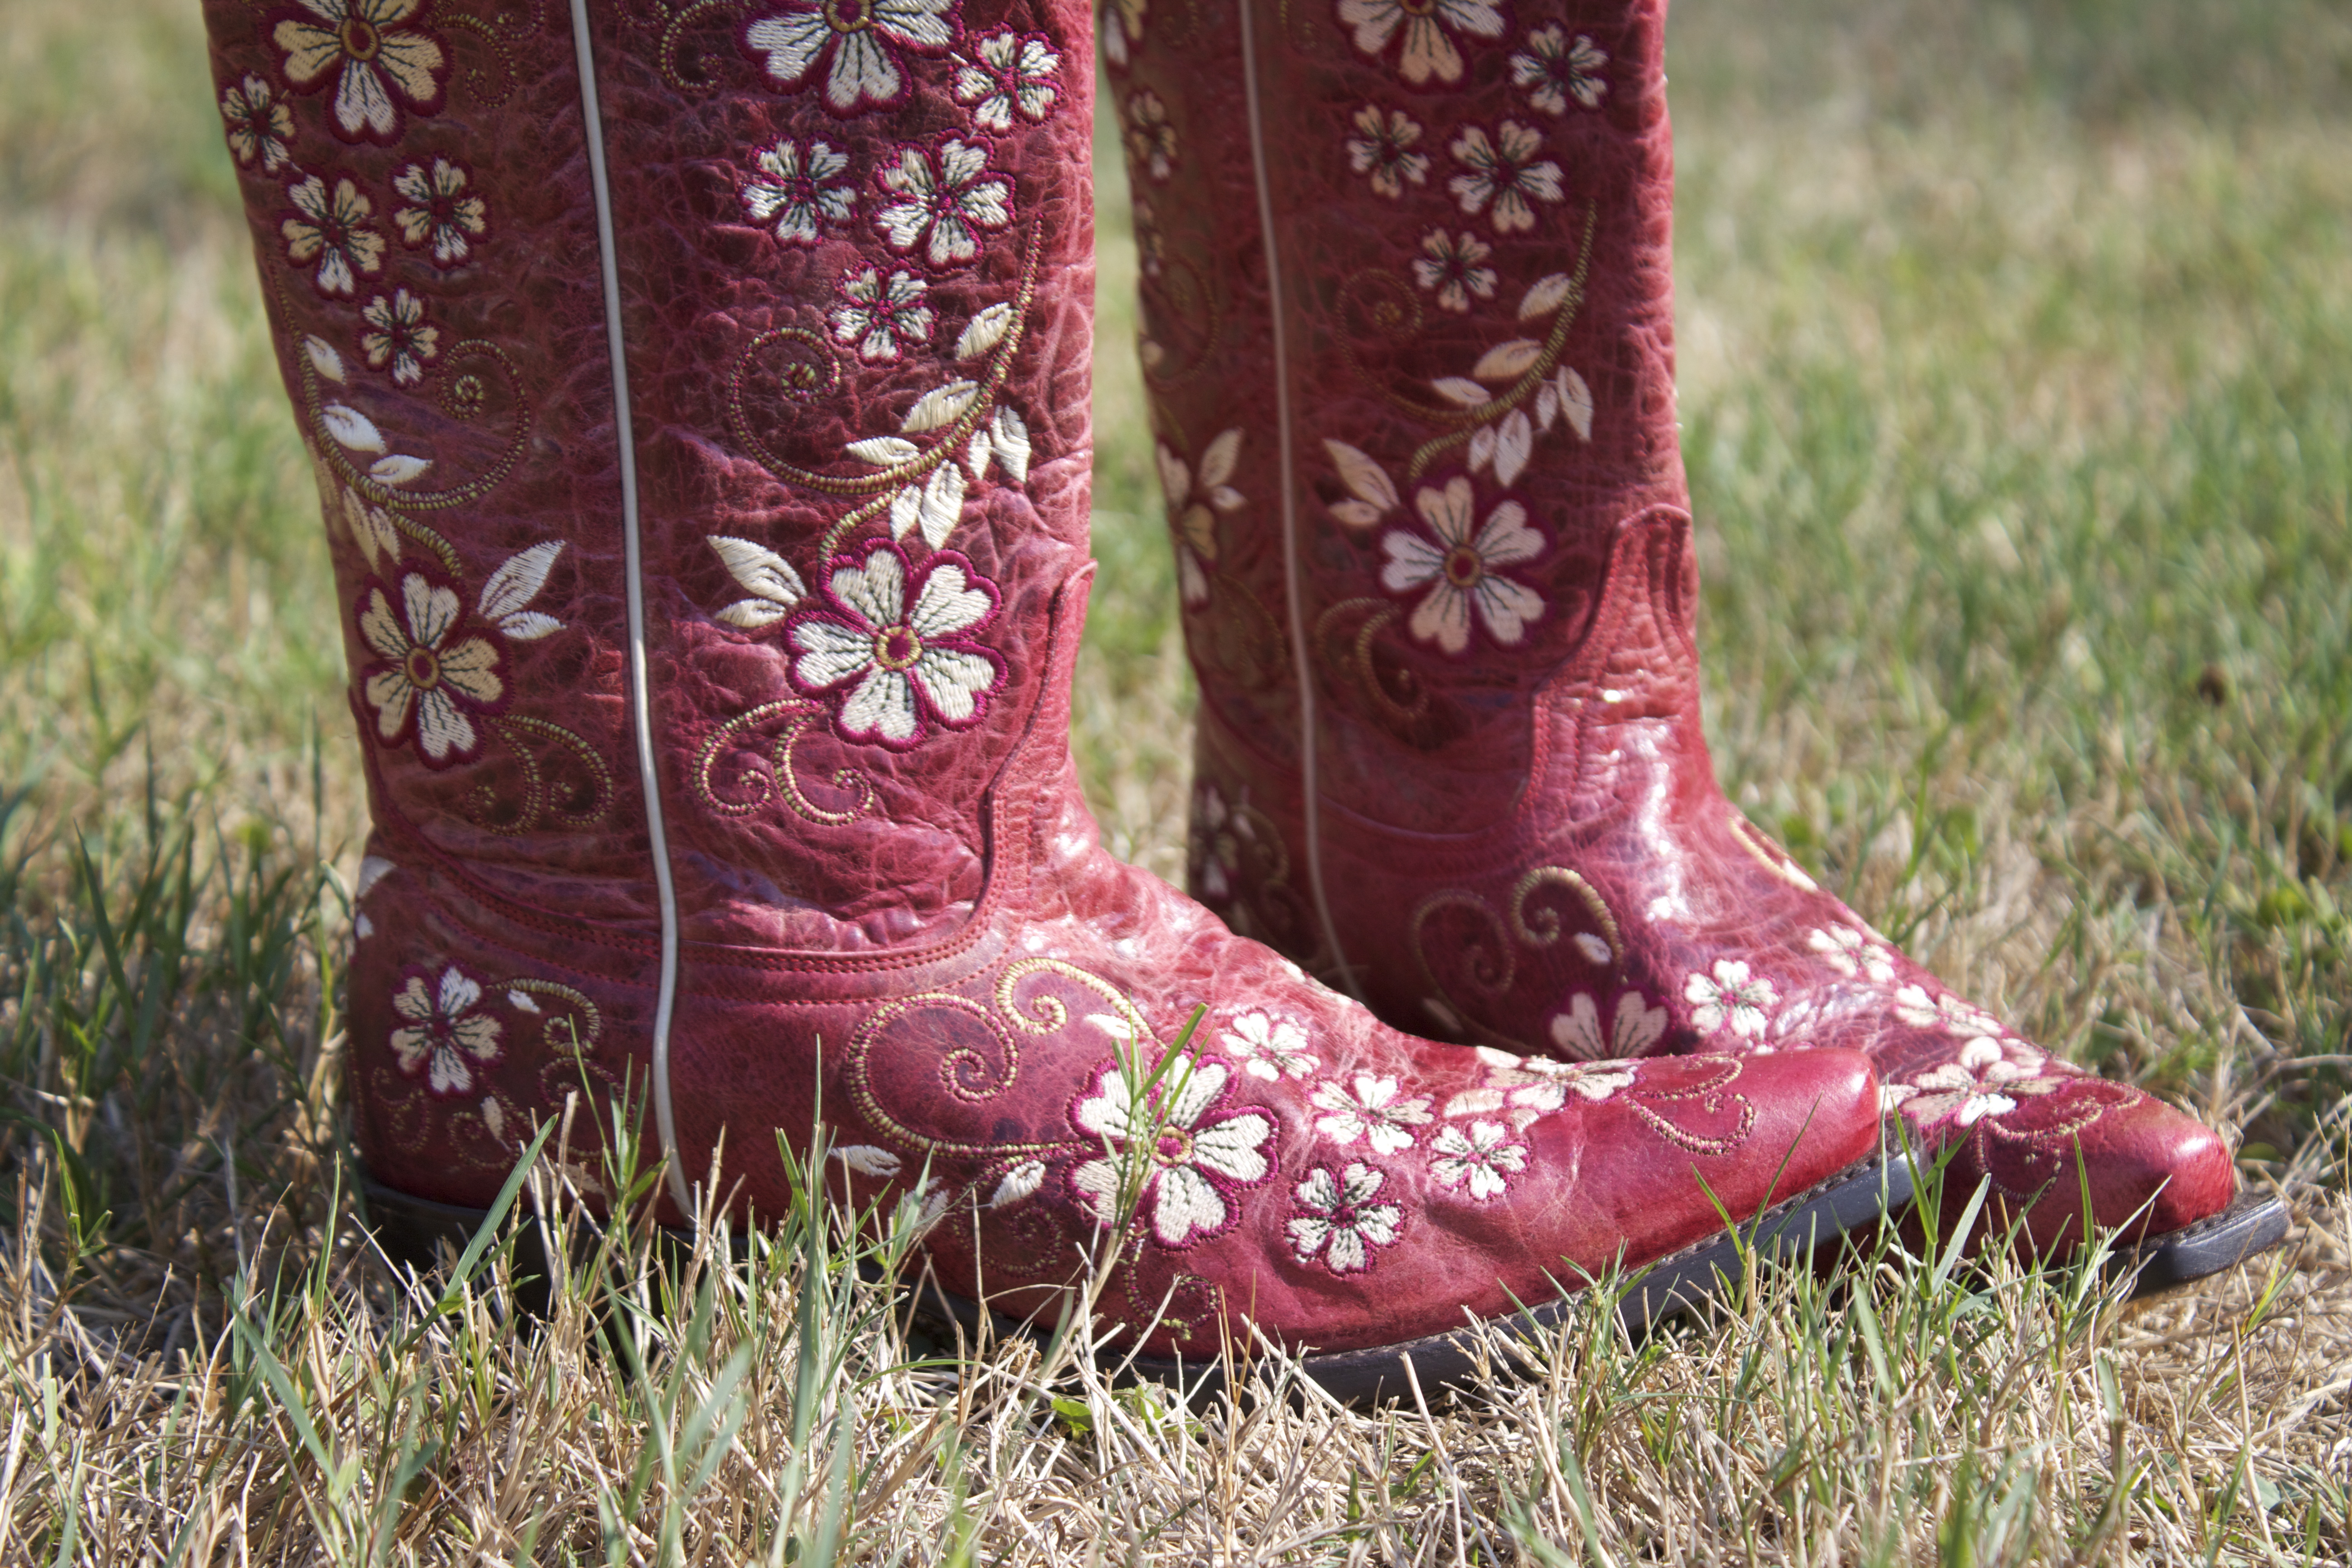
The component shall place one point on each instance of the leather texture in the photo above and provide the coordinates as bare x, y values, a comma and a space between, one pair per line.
853, 279
1433, 543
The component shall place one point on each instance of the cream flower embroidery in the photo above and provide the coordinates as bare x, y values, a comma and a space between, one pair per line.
1369, 1109
896, 639
432, 672
1269, 1048
1453, 266
259, 124
441, 213
1459, 569
1383, 149
1552, 69
1636, 1027
1852, 952
796, 193
1196, 1162
1915, 1007
1529, 1087
1730, 998
444, 1038
1428, 50
855, 42
1481, 1153
1193, 502
1505, 175
399, 336
882, 319
330, 228
1150, 139
1338, 1220
1009, 74
944, 197
373, 53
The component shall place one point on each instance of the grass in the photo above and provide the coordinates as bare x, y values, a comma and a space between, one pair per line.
2016, 410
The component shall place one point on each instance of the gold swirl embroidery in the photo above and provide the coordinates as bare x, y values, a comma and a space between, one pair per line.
1545, 929
1353, 653
861, 1089
586, 1032
1195, 304
783, 779
1711, 1096
515, 731
394, 500
498, 34
673, 25
1491, 965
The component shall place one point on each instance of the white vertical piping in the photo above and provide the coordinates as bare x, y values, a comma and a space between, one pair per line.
640, 693
1296, 591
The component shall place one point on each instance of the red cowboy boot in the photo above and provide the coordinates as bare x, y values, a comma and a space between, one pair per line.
1407, 334
698, 400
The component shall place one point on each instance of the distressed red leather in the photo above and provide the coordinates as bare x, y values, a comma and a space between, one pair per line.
853, 275
1433, 543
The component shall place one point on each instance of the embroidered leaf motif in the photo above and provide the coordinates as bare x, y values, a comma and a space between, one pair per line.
1507, 362
1468, 394
1009, 433
985, 331
1366, 478
1514, 442
1481, 447
1018, 1183
1545, 295
1576, 398
323, 358
1547, 406
941, 406
883, 451
397, 468
373, 869
942, 504
765, 574
868, 1160
516, 585
976, 456
352, 427
905, 507
1217, 468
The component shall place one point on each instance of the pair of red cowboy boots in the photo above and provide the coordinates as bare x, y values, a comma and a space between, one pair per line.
698, 393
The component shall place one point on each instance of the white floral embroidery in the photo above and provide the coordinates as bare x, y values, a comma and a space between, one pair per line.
1503, 175
1637, 1027
1008, 74
1123, 28
1192, 1156
378, 56
1150, 139
1730, 998
1383, 150
798, 192
881, 319
906, 662
1481, 1153
426, 669
1915, 1007
1428, 51
1269, 1048
1529, 1087
1339, 1219
1987, 1078
444, 1038
331, 229
1552, 69
944, 197
1459, 569
1371, 1109
1192, 503
857, 36
1453, 266
260, 123
441, 215
398, 336
1851, 954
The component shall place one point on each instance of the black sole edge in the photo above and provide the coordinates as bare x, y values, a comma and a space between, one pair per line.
2254, 1222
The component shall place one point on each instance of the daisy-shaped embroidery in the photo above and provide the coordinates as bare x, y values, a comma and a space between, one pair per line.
1193, 502
1481, 1155
1633, 1029
441, 214
1372, 1107
329, 227
1553, 69
1383, 148
1852, 952
949, 197
376, 55
1730, 998
1196, 1162
1957, 1096
1915, 1007
1151, 138
434, 673
1339, 1221
1426, 26
398, 336
855, 43
1269, 1048
1529, 1087
1459, 569
1503, 176
893, 646
1009, 74
797, 192
1453, 268
444, 1038
882, 318
1123, 28
259, 124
